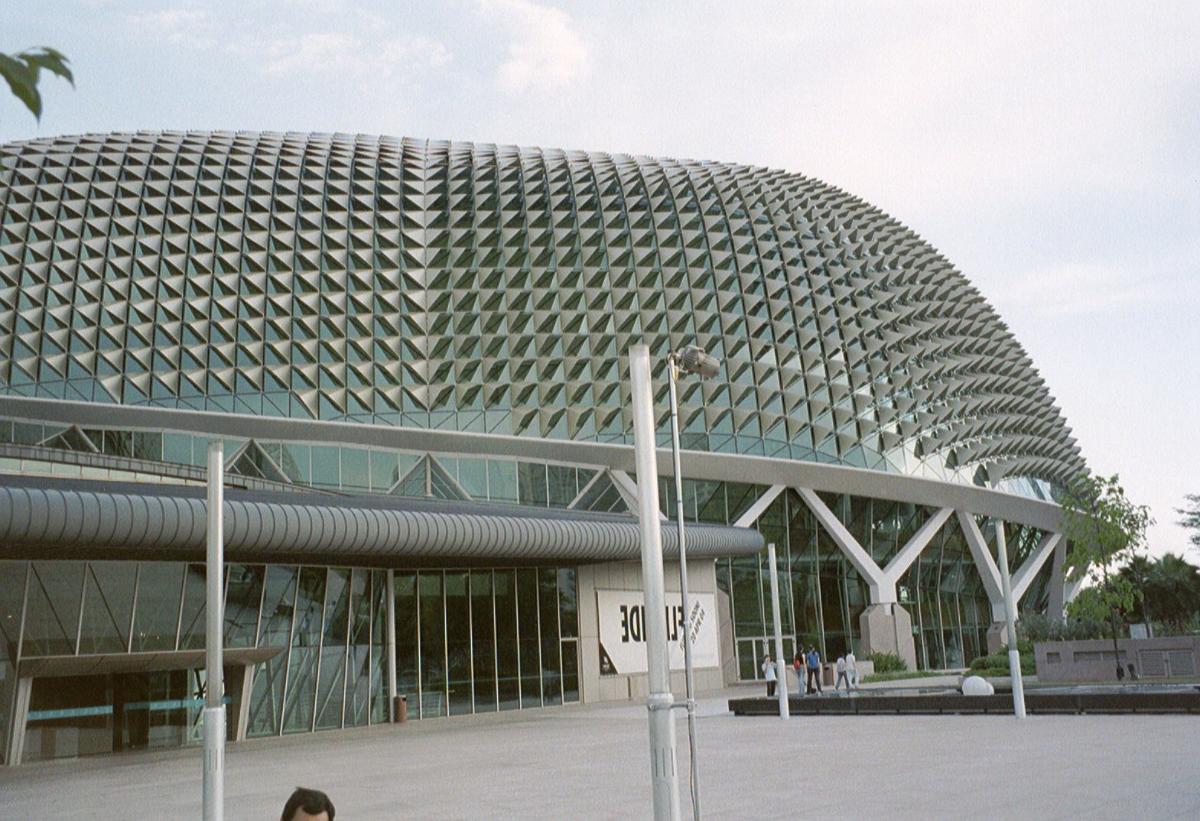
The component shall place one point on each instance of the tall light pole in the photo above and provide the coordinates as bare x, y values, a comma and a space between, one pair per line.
690, 359
663, 777
214, 705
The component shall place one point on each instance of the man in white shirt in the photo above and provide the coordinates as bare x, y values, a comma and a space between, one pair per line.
841, 673
768, 668
851, 670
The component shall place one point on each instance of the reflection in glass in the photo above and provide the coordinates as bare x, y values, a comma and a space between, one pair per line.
243, 596
275, 630
358, 679
433, 644
191, 624
302, 664
52, 609
107, 607
331, 678
458, 642
156, 614
483, 641
548, 619
507, 668
408, 657
527, 632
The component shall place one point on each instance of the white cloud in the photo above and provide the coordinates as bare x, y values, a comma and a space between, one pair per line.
341, 52
185, 26
545, 51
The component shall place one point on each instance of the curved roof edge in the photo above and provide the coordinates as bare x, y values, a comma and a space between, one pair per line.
125, 521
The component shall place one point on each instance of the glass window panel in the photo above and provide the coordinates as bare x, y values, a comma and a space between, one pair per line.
458, 642
358, 680
561, 485
570, 670
507, 670
275, 630
191, 626
407, 643
483, 638
107, 607
356, 474
302, 665
548, 615
384, 470
156, 616
527, 636
531, 484
52, 611
331, 684
12, 594
433, 645
243, 595
325, 467
177, 448
502, 480
472, 475
379, 694
295, 462
568, 602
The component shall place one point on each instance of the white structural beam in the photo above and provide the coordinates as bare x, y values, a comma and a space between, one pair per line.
759, 507
988, 571
1058, 581
849, 546
628, 489
1072, 590
1027, 572
916, 545
882, 581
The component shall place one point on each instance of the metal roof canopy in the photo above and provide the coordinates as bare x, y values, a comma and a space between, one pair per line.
144, 662
44, 518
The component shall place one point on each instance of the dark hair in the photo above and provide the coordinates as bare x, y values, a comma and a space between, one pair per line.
311, 801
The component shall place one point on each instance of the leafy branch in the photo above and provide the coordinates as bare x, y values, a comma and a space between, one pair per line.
22, 72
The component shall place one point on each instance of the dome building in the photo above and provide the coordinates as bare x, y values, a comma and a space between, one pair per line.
414, 353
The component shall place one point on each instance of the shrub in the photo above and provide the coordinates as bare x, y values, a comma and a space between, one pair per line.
1034, 627
888, 663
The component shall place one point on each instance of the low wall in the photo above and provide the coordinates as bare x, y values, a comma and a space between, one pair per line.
1093, 660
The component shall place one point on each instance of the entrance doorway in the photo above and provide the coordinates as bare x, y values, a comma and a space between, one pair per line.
72, 716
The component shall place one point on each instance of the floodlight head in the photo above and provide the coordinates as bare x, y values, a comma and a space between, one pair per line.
692, 359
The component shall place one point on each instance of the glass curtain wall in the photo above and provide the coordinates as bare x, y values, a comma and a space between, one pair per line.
822, 596
466, 641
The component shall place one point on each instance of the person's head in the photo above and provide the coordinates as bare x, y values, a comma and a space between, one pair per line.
307, 805
767, 657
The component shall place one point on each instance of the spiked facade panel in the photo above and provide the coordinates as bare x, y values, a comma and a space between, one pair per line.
495, 289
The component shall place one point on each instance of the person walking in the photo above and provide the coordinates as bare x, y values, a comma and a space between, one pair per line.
841, 674
814, 670
768, 668
852, 670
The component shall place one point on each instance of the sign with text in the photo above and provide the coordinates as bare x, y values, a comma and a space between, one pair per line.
622, 617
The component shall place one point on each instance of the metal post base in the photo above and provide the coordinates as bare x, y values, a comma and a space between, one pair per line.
214, 763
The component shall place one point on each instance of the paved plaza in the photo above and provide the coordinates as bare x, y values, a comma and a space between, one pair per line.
591, 762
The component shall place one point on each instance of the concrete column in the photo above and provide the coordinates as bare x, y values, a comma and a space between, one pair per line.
16, 742
887, 628
1058, 581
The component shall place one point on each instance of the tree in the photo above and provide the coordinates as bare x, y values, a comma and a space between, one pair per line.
22, 71
1191, 516
1173, 589
1105, 530
1139, 572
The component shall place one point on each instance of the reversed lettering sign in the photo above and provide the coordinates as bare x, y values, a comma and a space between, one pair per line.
622, 617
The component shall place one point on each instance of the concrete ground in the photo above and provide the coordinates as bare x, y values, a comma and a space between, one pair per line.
592, 762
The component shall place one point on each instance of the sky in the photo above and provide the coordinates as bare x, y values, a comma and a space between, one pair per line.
1050, 150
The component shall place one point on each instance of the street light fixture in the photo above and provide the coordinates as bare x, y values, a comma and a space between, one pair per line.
690, 359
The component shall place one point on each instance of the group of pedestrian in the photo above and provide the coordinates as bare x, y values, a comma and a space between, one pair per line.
810, 662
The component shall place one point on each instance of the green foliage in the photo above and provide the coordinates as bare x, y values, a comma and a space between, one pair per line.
1035, 627
996, 664
1105, 530
1170, 589
888, 663
1191, 516
21, 72
902, 675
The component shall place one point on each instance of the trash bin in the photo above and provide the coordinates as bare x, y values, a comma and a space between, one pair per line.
400, 709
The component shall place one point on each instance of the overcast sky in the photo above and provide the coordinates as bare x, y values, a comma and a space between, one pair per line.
1051, 150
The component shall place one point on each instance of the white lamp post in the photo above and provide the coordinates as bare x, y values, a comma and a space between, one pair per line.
688, 360
214, 705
